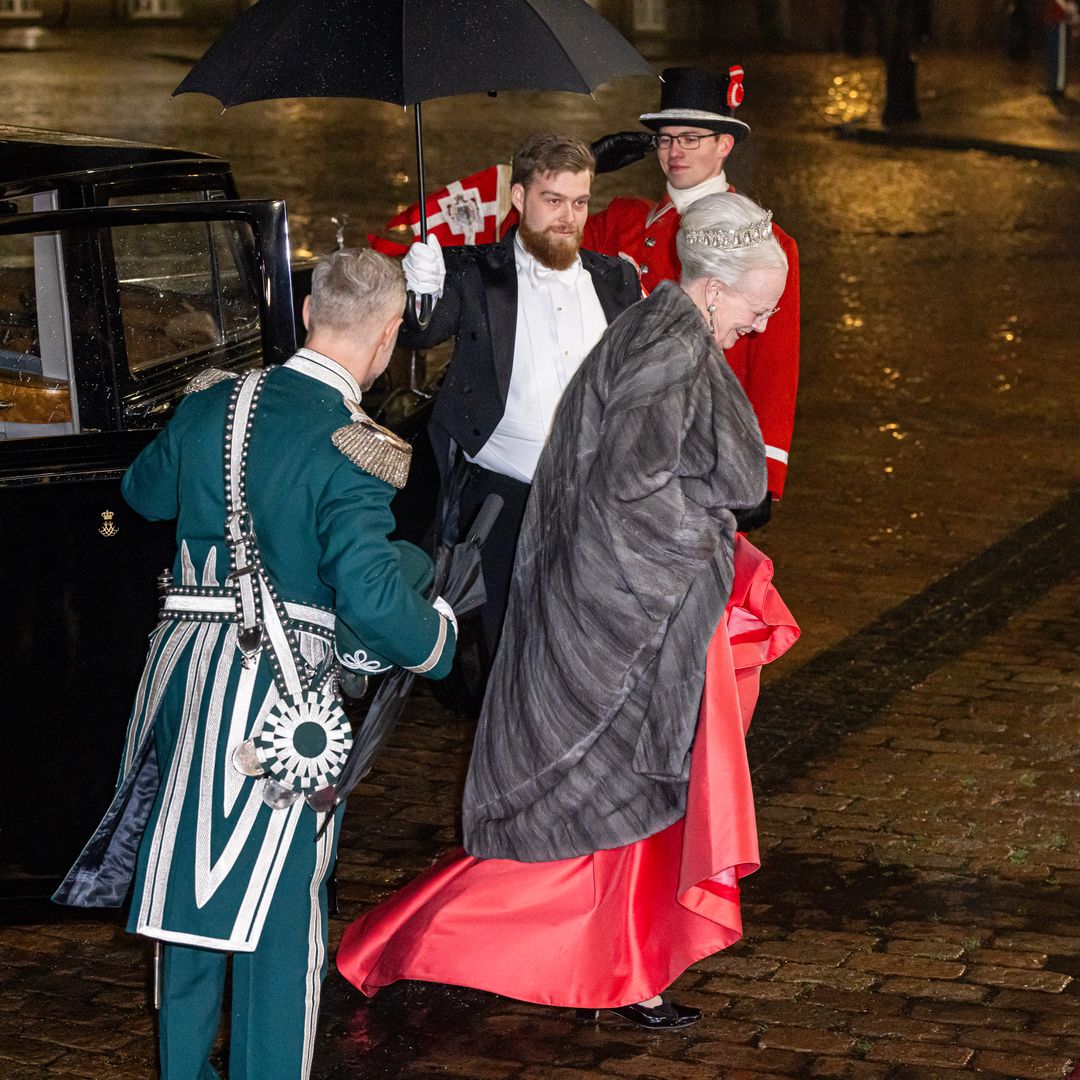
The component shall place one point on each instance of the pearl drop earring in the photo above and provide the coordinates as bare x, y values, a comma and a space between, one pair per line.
712, 324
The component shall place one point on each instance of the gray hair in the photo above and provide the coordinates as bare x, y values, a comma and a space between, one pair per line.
725, 212
353, 287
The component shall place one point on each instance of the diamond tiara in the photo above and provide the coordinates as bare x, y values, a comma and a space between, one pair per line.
757, 232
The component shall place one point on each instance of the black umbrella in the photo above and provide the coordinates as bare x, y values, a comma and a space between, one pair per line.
459, 582
410, 51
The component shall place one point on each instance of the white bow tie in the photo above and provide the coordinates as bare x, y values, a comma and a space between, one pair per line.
543, 275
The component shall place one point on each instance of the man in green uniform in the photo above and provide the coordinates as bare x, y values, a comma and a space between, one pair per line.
284, 571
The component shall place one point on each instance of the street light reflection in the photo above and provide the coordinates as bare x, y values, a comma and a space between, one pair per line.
849, 98
893, 429
1009, 330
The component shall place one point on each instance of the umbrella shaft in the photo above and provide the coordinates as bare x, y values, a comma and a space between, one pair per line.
420, 170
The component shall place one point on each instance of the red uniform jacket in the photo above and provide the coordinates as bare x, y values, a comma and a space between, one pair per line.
1057, 11
767, 365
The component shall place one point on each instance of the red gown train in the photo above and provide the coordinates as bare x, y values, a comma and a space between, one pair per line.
617, 926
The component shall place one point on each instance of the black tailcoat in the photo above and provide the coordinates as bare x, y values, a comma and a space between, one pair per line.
479, 308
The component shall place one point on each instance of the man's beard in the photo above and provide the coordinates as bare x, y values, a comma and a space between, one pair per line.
556, 251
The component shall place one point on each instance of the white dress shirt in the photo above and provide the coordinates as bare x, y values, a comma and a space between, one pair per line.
559, 320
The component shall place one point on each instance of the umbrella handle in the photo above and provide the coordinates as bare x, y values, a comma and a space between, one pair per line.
418, 320
483, 521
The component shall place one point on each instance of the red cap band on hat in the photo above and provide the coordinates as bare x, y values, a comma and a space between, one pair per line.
735, 91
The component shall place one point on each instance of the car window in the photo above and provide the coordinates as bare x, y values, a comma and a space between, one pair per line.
19, 348
26, 204
148, 198
35, 394
184, 288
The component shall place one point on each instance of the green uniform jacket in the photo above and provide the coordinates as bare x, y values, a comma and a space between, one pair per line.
214, 854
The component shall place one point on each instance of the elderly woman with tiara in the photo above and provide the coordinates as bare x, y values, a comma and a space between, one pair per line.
608, 813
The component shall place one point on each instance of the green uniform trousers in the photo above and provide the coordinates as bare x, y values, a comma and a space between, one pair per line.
275, 989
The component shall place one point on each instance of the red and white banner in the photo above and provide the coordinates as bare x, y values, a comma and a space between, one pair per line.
467, 211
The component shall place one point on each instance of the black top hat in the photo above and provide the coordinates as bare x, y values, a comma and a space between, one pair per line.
699, 98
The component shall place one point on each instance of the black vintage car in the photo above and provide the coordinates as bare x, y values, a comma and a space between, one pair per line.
124, 271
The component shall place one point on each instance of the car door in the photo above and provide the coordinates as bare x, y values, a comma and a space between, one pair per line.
104, 316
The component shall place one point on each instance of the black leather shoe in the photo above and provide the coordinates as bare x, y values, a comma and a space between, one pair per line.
666, 1016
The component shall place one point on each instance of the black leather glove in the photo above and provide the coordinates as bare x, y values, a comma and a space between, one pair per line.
620, 149
755, 516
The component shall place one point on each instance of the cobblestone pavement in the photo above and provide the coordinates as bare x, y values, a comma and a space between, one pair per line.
978, 103
915, 917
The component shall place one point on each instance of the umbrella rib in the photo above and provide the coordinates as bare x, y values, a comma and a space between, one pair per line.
565, 51
271, 38
294, 14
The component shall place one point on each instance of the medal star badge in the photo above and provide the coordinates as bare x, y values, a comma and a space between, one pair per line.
303, 743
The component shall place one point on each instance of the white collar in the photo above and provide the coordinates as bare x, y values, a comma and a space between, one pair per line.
317, 366
537, 272
683, 197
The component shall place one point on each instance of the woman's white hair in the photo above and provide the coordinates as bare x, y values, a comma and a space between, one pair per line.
353, 287
725, 213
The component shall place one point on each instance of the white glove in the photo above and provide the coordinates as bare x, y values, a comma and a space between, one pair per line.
443, 608
425, 269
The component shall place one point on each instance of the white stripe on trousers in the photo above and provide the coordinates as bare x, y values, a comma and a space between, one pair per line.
316, 949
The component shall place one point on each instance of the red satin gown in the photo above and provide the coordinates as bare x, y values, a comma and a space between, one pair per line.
617, 926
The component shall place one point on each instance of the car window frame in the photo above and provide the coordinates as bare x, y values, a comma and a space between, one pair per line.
110, 397
149, 381
209, 181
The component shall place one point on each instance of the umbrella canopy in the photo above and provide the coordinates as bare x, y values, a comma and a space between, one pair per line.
410, 51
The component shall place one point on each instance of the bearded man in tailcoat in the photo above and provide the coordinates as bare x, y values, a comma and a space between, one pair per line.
524, 312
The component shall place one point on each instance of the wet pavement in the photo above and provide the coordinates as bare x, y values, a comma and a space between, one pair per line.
993, 105
914, 919
914, 755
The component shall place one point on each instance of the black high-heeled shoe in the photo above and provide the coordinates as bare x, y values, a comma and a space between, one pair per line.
666, 1016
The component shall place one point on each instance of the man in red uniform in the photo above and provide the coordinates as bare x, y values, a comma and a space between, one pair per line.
695, 131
